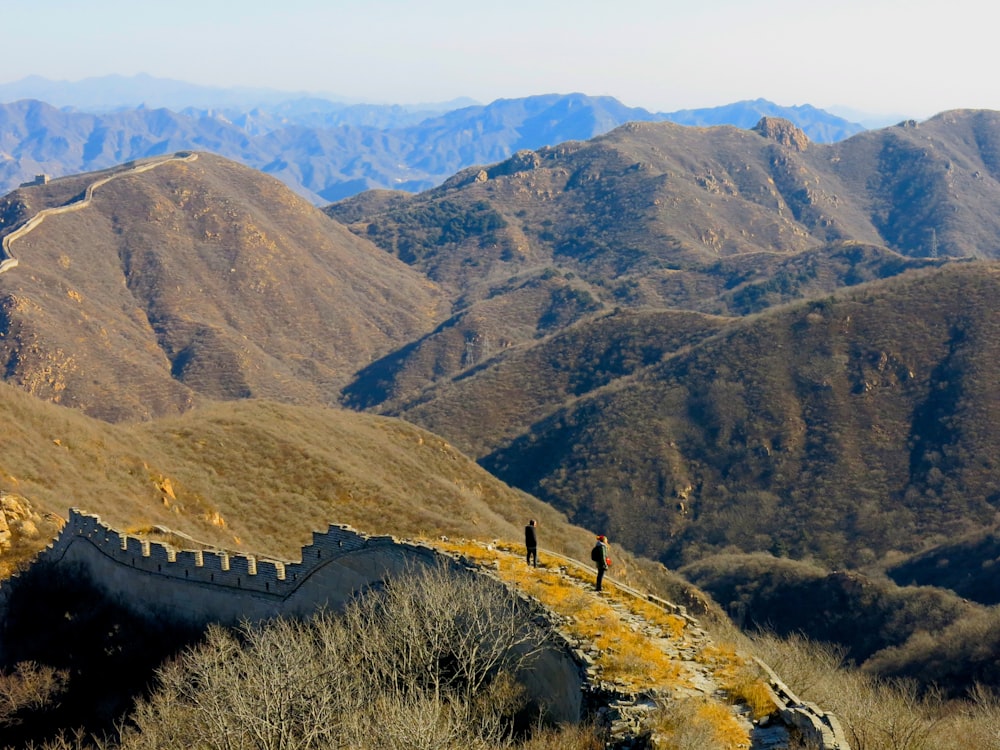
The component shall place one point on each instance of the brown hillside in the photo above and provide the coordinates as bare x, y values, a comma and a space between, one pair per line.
650, 200
841, 429
260, 476
196, 279
525, 312
719, 220
503, 398
731, 223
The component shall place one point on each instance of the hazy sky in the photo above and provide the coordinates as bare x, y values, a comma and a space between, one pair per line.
908, 57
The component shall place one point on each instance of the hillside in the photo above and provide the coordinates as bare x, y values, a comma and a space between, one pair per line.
842, 429
192, 280
731, 223
634, 210
533, 310
659, 216
845, 428
259, 476
254, 478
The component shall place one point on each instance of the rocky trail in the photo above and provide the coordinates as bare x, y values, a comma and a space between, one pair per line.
641, 654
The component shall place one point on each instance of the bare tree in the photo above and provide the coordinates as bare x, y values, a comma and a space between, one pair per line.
269, 688
446, 632
30, 686
426, 663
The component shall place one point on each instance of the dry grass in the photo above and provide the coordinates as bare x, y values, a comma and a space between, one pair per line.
740, 679
582, 737
626, 654
256, 476
699, 724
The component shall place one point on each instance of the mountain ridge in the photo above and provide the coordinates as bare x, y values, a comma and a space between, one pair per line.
326, 150
193, 283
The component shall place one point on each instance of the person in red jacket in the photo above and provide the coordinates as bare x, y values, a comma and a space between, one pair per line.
601, 555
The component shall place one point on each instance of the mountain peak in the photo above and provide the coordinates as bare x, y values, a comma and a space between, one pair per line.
783, 131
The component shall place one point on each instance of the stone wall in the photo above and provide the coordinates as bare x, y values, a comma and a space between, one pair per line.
818, 728
198, 587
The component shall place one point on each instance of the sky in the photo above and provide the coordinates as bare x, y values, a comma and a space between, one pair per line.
908, 57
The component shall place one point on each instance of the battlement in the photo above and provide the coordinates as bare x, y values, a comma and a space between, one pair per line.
196, 587
201, 586
216, 568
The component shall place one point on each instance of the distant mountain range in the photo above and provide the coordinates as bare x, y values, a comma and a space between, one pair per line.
115, 92
323, 149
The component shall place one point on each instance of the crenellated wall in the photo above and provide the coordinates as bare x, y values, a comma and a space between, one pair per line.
199, 587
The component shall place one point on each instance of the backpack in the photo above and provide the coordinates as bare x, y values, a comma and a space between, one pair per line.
595, 554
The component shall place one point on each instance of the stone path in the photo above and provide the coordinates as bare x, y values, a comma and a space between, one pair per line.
624, 707
701, 681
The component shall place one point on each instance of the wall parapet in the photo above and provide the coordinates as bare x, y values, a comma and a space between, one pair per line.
819, 728
203, 585
199, 587
220, 568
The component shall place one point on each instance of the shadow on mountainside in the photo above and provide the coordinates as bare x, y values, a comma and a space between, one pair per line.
60, 619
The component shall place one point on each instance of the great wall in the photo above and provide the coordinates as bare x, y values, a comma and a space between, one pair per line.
7, 259
200, 586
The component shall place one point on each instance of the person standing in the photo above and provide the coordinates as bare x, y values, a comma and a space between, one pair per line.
531, 542
601, 555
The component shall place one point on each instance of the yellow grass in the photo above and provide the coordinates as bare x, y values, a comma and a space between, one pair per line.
727, 731
699, 724
625, 655
739, 679
669, 623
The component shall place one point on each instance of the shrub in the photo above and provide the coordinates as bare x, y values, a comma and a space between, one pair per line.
699, 724
427, 662
28, 687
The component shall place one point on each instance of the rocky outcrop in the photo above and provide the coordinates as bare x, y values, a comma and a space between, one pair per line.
782, 131
19, 521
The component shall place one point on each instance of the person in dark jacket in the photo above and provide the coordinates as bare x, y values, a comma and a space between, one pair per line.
601, 555
531, 542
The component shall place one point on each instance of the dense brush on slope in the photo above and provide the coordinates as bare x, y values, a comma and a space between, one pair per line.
649, 200
843, 428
